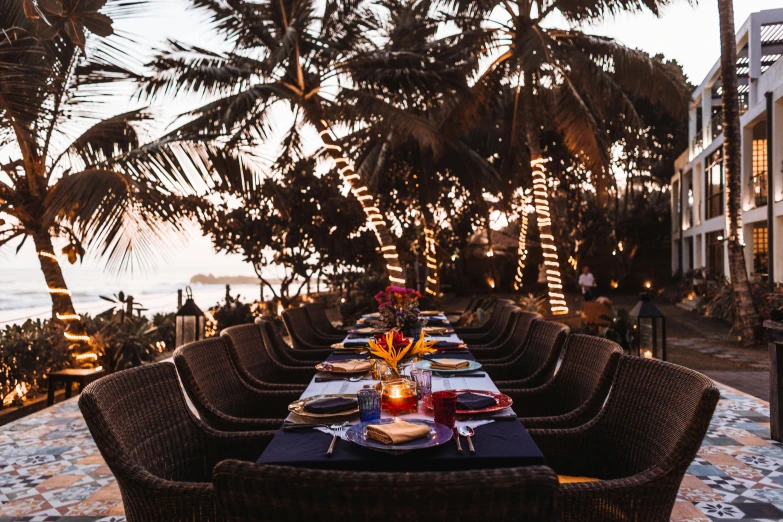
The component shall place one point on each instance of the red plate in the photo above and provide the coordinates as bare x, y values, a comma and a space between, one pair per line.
502, 400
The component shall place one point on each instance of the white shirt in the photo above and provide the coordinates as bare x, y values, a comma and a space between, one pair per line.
586, 281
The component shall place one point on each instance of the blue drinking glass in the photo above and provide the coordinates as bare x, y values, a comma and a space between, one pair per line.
369, 404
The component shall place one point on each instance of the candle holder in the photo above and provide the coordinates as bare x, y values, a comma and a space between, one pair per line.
399, 397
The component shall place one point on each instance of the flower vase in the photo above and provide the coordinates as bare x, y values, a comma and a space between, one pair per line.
414, 332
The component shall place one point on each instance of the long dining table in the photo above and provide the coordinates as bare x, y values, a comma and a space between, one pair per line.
500, 440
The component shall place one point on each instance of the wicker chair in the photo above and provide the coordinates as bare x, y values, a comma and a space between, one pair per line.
303, 337
257, 365
250, 493
638, 447
497, 307
472, 305
284, 353
577, 391
160, 454
534, 365
512, 345
321, 323
220, 395
499, 323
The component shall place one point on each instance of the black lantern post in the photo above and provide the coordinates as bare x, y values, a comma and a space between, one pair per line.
649, 329
190, 322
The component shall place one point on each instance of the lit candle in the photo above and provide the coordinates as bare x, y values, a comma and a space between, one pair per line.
399, 397
647, 354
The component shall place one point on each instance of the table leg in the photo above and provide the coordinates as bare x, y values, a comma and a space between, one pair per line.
775, 390
50, 393
68, 389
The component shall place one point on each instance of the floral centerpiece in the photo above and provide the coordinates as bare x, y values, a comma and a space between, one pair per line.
399, 308
395, 349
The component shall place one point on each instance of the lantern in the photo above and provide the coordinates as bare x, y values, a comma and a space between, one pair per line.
190, 322
648, 331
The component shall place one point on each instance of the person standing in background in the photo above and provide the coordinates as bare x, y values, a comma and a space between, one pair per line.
587, 283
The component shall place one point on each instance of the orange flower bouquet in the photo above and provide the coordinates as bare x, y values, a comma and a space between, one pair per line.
395, 350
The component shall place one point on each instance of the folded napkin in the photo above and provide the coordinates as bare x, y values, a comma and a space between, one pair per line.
447, 344
435, 329
431, 312
372, 316
449, 364
350, 366
397, 432
366, 330
474, 401
335, 405
351, 343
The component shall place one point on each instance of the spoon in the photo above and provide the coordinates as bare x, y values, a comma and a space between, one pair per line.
467, 432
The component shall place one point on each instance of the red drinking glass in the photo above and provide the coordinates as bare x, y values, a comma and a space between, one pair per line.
445, 405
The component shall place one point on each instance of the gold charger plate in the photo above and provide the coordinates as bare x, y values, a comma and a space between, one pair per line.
297, 407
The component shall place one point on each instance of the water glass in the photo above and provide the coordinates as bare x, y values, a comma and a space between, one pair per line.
369, 404
445, 405
423, 380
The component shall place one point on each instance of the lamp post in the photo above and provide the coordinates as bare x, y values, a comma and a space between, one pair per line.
190, 322
648, 330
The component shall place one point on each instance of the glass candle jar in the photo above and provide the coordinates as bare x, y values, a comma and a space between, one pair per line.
399, 397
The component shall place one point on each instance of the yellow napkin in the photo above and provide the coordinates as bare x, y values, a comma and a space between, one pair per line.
449, 364
431, 312
351, 366
396, 432
435, 329
366, 330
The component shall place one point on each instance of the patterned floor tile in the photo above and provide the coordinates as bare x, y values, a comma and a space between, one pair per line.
51, 471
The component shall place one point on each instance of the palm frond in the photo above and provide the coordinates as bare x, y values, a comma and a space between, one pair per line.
591, 10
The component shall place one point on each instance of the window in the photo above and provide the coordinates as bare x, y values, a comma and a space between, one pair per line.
714, 184
715, 266
760, 249
758, 177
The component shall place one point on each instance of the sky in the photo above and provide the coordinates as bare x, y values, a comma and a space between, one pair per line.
684, 32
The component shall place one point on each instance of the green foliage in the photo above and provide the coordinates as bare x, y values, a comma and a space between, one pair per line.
27, 352
302, 224
233, 311
718, 300
124, 341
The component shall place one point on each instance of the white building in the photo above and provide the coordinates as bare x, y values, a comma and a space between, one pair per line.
698, 185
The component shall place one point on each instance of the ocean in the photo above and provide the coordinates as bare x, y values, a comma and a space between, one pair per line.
23, 292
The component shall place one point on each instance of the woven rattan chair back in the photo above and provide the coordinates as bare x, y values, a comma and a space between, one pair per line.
250, 493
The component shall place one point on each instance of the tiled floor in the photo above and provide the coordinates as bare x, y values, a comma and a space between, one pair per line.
51, 471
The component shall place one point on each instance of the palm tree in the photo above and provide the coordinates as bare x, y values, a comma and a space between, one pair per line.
745, 310
403, 96
283, 54
575, 85
104, 192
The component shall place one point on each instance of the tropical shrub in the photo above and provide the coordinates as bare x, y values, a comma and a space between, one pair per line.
233, 311
27, 352
718, 300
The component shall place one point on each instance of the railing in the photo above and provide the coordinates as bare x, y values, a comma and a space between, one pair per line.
758, 187
697, 144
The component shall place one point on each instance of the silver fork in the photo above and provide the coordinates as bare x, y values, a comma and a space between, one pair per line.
337, 431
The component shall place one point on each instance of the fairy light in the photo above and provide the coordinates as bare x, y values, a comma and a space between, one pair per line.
375, 219
557, 303
89, 356
521, 250
432, 261
68, 316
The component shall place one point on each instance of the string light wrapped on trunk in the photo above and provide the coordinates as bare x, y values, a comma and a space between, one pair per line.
432, 262
375, 219
68, 317
557, 303
521, 249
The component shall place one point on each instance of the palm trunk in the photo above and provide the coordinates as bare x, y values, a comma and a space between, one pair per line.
557, 303
746, 318
375, 219
62, 305
519, 279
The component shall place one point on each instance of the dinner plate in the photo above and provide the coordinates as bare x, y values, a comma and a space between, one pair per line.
439, 434
427, 365
324, 367
297, 407
502, 401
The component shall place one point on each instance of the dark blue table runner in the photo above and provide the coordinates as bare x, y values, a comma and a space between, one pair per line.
500, 444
